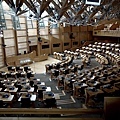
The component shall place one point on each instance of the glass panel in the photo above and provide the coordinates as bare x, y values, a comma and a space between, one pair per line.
9, 24
32, 32
10, 51
21, 39
22, 45
9, 42
22, 20
8, 33
21, 33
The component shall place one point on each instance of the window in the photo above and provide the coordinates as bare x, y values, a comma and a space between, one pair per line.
75, 43
66, 44
45, 46
56, 45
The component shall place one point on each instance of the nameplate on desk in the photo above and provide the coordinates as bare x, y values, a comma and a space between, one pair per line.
11, 88
5, 96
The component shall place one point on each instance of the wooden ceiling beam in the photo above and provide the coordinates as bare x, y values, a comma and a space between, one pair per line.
81, 10
65, 7
10, 3
57, 7
72, 10
109, 21
30, 6
44, 5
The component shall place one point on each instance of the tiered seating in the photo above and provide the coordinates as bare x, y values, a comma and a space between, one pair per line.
24, 88
96, 83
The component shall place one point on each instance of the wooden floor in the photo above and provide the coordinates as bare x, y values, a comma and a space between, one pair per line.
38, 67
33, 118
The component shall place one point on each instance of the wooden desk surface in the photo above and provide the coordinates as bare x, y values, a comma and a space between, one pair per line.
110, 90
93, 93
94, 84
107, 81
77, 85
47, 96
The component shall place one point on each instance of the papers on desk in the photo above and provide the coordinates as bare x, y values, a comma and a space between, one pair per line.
44, 88
32, 97
6, 97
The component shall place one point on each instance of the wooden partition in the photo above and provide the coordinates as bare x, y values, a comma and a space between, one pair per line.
65, 36
75, 38
15, 60
44, 46
56, 44
112, 108
55, 40
82, 34
1, 54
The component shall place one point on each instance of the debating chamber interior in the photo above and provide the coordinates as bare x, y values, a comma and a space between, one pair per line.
60, 59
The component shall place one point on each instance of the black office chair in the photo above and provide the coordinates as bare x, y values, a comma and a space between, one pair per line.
56, 73
50, 102
66, 71
10, 68
25, 102
57, 66
29, 74
3, 105
35, 88
40, 93
18, 75
19, 88
26, 68
80, 67
31, 83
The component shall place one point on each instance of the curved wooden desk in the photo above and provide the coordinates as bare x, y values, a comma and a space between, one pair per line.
16, 60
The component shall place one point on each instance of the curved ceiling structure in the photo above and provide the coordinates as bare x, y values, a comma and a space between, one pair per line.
73, 12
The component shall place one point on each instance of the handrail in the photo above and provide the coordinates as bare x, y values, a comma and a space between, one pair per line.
44, 111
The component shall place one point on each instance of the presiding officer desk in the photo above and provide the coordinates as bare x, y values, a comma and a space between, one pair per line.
21, 59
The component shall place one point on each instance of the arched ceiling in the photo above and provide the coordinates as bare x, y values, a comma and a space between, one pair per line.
73, 12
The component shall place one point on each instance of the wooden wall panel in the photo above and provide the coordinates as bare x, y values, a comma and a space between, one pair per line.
56, 45
67, 29
89, 28
75, 28
44, 47
83, 28
1, 54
